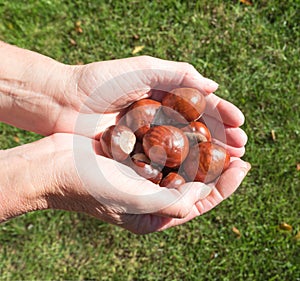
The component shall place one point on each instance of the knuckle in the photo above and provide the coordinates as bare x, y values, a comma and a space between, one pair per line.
188, 67
182, 211
148, 61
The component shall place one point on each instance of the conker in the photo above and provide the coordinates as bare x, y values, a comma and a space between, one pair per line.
117, 142
141, 164
172, 180
140, 116
206, 161
197, 132
166, 145
189, 102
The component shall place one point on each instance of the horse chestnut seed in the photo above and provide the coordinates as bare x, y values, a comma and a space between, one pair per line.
189, 102
172, 180
140, 116
141, 164
205, 162
166, 145
117, 142
197, 132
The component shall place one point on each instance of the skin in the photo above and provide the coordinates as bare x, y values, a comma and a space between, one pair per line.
70, 106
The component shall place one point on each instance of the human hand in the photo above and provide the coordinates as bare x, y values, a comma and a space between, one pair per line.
106, 88
66, 171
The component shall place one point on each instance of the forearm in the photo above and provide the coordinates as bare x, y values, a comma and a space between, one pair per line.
27, 176
31, 89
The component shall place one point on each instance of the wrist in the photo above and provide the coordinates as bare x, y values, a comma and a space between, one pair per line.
32, 89
26, 178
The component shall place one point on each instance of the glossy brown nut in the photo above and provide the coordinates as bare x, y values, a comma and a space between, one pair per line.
205, 162
197, 132
172, 180
140, 115
166, 145
142, 166
117, 142
189, 102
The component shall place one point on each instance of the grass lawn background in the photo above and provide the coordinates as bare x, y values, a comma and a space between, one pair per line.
253, 52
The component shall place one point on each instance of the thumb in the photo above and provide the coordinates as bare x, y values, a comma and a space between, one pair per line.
118, 83
166, 75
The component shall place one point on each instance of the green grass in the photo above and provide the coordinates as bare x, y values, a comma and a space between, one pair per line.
253, 53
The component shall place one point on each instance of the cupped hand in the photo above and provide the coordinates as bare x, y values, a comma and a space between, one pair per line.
87, 182
104, 89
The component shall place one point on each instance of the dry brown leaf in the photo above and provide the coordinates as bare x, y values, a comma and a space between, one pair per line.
285, 226
16, 139
78, 29
298, 166
137, 49
72, 41
236, 231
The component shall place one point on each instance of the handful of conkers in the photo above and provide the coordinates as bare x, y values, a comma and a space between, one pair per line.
165, 141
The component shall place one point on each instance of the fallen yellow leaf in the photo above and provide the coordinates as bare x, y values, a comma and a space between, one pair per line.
137, 49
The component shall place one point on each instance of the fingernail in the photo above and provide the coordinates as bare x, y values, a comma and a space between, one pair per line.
248, 166
211, 85
245, 170
204, 191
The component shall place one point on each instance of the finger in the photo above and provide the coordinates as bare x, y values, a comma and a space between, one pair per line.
233, 136
162, 220
224, 111
229, 181
187, 195
232, 150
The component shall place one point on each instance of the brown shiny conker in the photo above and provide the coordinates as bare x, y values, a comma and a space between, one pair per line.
188, 102
140, 115
172, 180
166, 145
141, 164
117, 142
205, 162
197, 132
